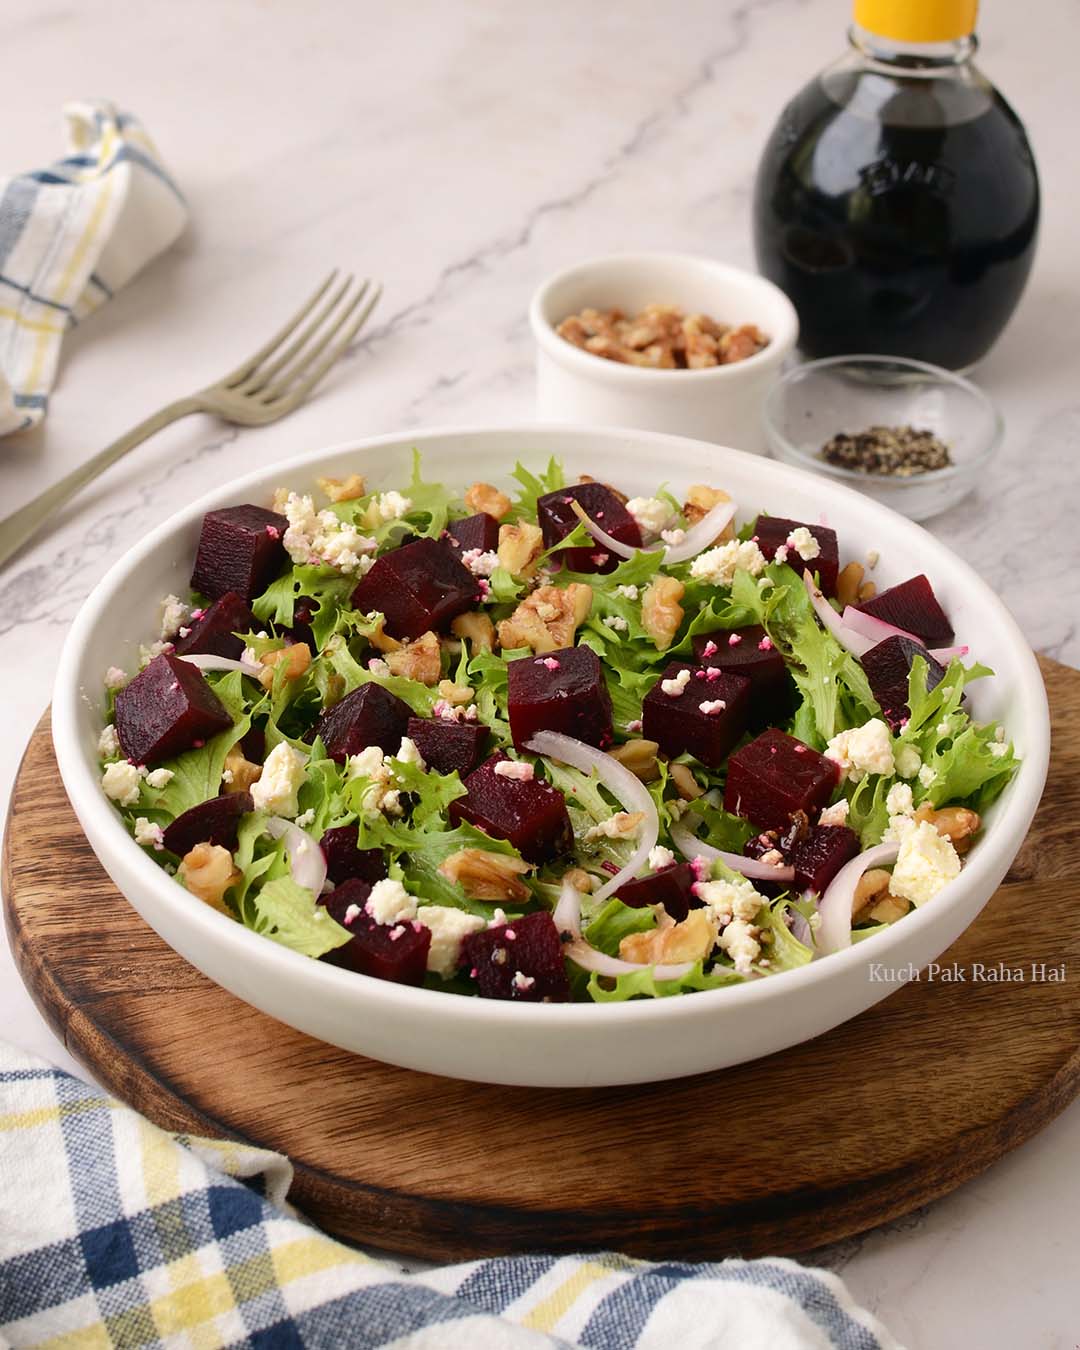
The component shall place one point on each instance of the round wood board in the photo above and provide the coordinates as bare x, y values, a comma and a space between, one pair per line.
857, 1127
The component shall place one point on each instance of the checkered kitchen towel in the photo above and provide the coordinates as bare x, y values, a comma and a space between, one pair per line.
114, 1233
70, 236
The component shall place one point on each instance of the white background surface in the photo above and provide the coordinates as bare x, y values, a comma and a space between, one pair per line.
461, 151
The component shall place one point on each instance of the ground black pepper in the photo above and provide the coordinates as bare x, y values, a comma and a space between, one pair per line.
898, 452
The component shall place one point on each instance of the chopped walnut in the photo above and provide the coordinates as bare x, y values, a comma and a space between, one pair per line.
850, 586
661, 612
888, 909
662, 337
343, 489
239, 773
208, 872
691, 940
486, 876
955, 823
519, 548
580, 880
639, 757
872, 886
476, 629
686, 785
456, 694
380, 640
622, 825
484, 497
294, 660
548, 619
420, 660
700, 500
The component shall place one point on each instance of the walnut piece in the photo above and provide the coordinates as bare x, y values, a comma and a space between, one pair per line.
661, 337
686, 785
669, 942
888, 909
850, 586
476, 629
343, 489
239, 773
548, 619
661, 612
872, 886
700, 500
519, 547
955, 823
456, 694
484, 497
486, 876
208, 872
294, 660
639, 756
580, 880
420, 660
380, 640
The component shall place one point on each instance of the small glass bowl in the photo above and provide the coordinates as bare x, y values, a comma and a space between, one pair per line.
812, 403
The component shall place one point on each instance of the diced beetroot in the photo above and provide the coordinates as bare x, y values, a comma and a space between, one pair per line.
914, 607
531, 815
215, 631
449, 747
776, 775
370, 715
888, 666
212, 822
749, 652
557, 519
690, 721
480, 531
254, 744
396, 952
166, 709
771, 532
820, 854
346, 862
521, 960
671, 887
418, 588
241, 550
560, 691
304, 610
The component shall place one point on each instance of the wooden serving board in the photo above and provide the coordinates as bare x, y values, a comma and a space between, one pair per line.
860, 1126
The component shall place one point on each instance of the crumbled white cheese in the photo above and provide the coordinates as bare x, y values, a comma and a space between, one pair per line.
479, 563
319, 538
674, 687
836, 814
515, 768
873, 558
115, 678
862, 750
522, 982
660, 857
409, 753
390, 902
276, 788
627, 592
306, 818
154, 650
998, 748
899, 800
673, 537
730, 899
449, 929
616, 623
712, 707
651, 514
379, 796
392, 505
804, 543
108, 743
773, 857
926, 862
378, 666
148, 834
927, 774
121, 781
174, 614
908, 761
159, 778
719, 565
739, 940
622, 825
999, 733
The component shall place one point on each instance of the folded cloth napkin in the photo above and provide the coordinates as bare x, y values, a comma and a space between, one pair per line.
70, 236
115, 1233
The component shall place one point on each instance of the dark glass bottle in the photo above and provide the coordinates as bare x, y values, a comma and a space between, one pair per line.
897, 203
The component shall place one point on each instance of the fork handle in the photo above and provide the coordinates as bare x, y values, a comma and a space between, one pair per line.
17, 528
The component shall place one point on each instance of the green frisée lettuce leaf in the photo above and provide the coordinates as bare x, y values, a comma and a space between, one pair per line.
534, 486
721, 829
486, 673
643, 984
616, 921
287, 913
426, 517
323, 584
779, 945
418, 696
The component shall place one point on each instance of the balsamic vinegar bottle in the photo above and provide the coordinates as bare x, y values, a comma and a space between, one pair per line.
897, 200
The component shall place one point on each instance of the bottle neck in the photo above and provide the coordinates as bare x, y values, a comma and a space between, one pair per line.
912, 58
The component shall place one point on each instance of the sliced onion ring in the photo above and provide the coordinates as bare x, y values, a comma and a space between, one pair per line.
306, 861
698, 537
946, 654
835, 905
876, 630
630, 791
800, 928
851, 641
568, 920
208, 661
601, 536
691, 847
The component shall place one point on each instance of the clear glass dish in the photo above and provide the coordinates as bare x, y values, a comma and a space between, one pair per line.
811, 403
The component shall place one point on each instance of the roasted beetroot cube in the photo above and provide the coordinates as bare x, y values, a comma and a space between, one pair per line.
240, 549
370, 715
776, 775
704, 717
346, 862
771, 533
166, 709
914, 607
672, 887
530, 814
396, 952
300, 630
888, 666
560, 691
449, 747
215, 632
556, 517
480, 531
520, 960
212, 822
749, 652
418, 588
820, 853
254, 744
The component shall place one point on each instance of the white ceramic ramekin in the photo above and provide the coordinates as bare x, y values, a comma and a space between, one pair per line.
721, 403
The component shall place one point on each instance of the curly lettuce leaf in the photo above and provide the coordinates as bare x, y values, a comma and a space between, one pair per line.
329, 587
340, 659
782, 950
534, 486
722, 829
287, 913
616, 921
642, 984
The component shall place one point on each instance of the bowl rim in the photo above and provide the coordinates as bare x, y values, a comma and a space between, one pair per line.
793, 453
613, 372
106, 832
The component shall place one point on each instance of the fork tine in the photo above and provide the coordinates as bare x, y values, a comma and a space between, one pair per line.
261, 376
297, 395
243, 371
289, 377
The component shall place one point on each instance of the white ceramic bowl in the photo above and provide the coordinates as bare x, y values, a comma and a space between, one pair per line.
721, 403
539, 1044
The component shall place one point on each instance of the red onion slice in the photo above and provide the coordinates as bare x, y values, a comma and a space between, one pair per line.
851, 641
601, 536
208, 661
306, 860
691, 847
877, 630
947, 654
630, 792
568, 920
701, 535
834, 906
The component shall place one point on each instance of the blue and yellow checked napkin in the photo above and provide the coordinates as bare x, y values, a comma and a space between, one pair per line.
70, 236
115, 1233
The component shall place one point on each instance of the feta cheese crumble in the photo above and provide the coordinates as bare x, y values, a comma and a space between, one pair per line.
730, 900
622, 825
927, 774
148, 834
389, 902
378, 797
925, 864
908, 761
674, 687
449, 928
804, 544
319, 538
276, 787
836, 814
115, 678
719, 565
515, 768
479, 563
409, 753
159, 778
616, 623
306, 818
712, 707
660, 857
174, 614
651, 514
862, 750
108, 743
392, 505
521, 982
630, 592
739, 940
120, 782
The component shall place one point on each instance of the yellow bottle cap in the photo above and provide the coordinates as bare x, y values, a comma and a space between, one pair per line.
917, 20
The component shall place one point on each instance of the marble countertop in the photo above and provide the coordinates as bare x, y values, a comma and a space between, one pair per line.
459, 152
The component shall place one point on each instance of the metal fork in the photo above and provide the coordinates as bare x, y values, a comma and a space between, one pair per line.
269, 385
